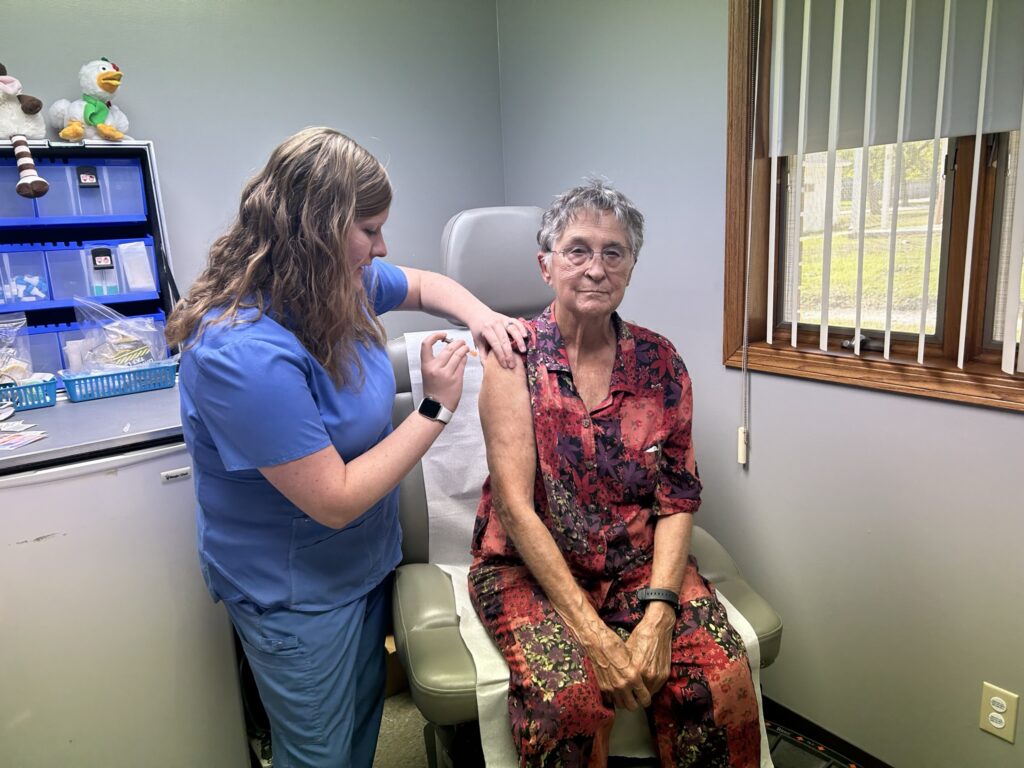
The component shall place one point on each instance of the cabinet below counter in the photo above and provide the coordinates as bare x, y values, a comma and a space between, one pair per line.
95, 428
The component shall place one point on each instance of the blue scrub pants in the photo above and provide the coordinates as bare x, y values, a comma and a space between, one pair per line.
321, 678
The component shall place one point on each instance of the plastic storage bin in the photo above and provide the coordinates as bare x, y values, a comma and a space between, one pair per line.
29, 396
142, 379
68, 274
44, 348
24, 276
12, 205
93, 189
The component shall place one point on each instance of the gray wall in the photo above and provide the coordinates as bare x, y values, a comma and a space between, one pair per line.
886, 530
217, 84
882, 528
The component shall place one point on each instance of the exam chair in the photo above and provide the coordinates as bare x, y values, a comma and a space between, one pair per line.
492, 251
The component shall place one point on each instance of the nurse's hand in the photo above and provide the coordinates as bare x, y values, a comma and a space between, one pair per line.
495, 333
442, 373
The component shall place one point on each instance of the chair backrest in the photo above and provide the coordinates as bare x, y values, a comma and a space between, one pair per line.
492, 252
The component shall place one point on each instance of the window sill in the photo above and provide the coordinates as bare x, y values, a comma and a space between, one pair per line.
978, 384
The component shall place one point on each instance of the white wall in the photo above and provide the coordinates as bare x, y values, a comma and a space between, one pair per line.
884, 529
216, 84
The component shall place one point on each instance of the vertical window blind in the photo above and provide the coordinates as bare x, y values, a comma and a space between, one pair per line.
857, 86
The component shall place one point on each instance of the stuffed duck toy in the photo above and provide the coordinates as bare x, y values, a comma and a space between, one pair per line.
21, 119
93, 115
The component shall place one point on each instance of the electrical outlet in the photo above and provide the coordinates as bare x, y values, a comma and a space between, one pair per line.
998, 711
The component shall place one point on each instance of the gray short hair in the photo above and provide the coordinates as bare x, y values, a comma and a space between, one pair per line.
592, 195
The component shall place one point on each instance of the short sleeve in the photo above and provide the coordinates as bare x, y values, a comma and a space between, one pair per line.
386, 285
679, 487
255, 401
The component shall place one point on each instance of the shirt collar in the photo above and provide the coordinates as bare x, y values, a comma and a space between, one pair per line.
551, 352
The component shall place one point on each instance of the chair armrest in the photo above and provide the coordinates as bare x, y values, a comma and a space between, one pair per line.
442, 677
720, 569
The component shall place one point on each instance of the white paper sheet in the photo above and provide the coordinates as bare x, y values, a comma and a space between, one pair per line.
455, 467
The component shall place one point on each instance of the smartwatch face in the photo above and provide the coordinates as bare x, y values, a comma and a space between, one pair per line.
430, 408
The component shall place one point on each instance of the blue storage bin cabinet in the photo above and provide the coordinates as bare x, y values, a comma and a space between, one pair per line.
48, 275
85, 190
102, 208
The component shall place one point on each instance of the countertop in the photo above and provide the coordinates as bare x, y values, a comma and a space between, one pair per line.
94, 427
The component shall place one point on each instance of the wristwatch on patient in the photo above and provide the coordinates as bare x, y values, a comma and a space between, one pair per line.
433, 410
654, 595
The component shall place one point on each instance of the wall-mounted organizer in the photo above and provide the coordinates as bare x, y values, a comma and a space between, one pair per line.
98, 233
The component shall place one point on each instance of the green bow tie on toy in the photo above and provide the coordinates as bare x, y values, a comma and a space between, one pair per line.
95, 111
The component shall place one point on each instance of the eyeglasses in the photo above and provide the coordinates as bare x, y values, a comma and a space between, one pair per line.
614, 257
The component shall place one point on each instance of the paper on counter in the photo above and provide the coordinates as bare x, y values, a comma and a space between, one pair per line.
14, 426
11, 440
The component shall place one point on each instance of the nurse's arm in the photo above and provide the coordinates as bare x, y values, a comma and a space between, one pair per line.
335, 492
443, 297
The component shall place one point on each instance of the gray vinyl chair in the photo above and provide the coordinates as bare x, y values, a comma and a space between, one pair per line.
439, 667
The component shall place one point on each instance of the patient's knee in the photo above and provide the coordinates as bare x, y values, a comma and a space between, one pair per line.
567, 721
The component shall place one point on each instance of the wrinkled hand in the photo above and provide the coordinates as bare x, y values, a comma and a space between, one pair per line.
618, 674
442, 374
650, 646
494, 332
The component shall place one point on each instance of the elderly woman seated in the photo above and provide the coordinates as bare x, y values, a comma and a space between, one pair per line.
581, 571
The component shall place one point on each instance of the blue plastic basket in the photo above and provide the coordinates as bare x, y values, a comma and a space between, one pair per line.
29, 396
142, 379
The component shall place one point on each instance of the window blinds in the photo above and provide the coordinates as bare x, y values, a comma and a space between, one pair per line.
863, 74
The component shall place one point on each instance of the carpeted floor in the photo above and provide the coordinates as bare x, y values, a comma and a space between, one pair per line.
401, 742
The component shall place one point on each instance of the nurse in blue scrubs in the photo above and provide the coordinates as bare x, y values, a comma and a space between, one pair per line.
286, 396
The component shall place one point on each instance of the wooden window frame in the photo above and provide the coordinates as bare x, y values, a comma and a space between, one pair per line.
980, 382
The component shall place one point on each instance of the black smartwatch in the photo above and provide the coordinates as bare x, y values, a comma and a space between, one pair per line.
653, 595
433, 410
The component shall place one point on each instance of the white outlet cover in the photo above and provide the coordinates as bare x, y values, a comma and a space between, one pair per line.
996, 720
997, 704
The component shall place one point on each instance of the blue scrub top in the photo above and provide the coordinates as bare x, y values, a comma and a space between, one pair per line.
252, 396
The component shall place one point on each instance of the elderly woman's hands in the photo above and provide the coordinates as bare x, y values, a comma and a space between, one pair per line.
494, 332
618, 674
650, 645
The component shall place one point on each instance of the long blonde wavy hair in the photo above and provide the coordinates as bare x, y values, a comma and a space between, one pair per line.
285, 254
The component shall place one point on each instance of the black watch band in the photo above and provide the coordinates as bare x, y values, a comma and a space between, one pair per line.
654, 595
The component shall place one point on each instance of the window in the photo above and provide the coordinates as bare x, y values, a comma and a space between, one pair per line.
884, 236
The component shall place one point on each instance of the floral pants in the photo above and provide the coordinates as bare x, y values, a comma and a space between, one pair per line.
705, 715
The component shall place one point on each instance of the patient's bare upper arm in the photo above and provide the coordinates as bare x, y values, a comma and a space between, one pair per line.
507, 420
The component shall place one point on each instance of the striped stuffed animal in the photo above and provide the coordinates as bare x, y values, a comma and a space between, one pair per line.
21, 119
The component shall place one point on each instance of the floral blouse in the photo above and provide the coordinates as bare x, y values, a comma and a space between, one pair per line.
604, 476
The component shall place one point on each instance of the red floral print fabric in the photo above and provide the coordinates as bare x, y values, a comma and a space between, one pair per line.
604, 478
